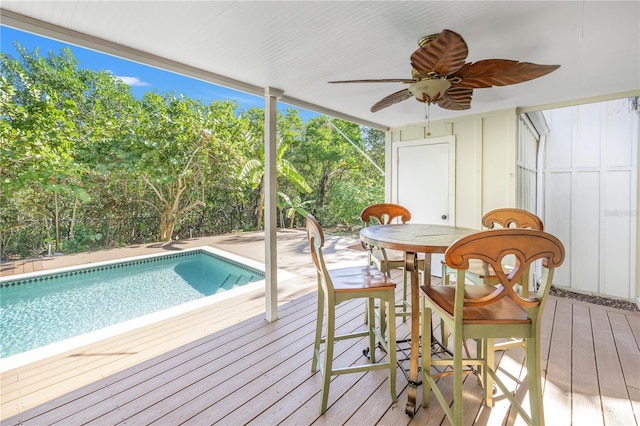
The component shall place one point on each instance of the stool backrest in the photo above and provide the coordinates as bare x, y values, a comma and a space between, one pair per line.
384, 213
316, 243
507, 217
526, 245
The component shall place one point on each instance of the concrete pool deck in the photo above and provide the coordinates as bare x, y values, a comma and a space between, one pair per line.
292, 252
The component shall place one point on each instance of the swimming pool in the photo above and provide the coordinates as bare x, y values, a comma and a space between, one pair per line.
39, 310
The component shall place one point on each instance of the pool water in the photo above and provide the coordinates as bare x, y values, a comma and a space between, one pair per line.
41, 310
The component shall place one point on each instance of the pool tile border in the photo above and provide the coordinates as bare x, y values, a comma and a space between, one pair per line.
52, 275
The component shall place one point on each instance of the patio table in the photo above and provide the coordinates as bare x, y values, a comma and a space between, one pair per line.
412, 239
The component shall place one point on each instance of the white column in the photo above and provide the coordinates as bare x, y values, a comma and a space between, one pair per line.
637, 211
270, 237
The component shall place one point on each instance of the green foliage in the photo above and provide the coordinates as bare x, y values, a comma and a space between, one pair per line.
344, 181
83, 239
292, 207
84, 165
253, 171
346, 199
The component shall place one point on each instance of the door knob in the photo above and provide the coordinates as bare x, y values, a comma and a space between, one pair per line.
443, 217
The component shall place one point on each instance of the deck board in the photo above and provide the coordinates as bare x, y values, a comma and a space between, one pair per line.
227, 365
586, 409
557, 384
617, 408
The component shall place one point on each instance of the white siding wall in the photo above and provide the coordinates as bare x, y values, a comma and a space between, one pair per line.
591, 195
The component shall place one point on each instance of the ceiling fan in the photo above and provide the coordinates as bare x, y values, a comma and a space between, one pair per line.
440, 74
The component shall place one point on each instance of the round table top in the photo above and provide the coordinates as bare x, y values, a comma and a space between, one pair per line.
414, 237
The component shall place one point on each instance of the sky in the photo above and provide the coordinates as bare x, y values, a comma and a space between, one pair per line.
140, 78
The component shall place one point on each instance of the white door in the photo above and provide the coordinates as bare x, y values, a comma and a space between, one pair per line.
423, 180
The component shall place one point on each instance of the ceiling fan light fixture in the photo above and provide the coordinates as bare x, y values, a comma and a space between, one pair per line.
429, 90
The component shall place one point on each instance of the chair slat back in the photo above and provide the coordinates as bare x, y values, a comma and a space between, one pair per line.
526, 245
384, 214
508, 217
316, 243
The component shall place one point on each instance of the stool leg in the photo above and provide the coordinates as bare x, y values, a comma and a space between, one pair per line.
382, 312
426, 356
327, 367
533, 375
391, 347
488, 356
371, 306
457, 378
319, 320
444, 330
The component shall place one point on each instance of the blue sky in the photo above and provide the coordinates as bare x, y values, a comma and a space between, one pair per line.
140, 78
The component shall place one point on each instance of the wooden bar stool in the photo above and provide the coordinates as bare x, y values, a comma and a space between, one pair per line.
486, 312
339, 285
481, 273
386, 260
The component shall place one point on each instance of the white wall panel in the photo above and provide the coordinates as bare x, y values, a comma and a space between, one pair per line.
591, 193
558, 155
586, 144
618, 151
585, 223
616, 238
499, 162
557, 219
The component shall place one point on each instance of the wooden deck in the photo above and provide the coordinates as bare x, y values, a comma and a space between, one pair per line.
226, 365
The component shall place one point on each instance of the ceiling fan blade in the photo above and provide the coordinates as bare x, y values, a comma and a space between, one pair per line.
393, 98
500, 72
456, 99
445, 55
383, 80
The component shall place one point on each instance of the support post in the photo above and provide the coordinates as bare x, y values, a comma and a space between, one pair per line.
270, 176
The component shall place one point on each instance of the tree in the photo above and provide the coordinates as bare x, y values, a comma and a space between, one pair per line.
344, 181
293, 206
227, 199
169, 153
59, 125
87, 165
254, 169
38, 133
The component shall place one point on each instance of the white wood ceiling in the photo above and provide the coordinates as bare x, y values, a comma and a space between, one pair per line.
298, 46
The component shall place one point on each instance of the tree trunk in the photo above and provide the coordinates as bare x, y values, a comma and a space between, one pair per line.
322, 191
73, 218
57, 220
167, 224
261, 205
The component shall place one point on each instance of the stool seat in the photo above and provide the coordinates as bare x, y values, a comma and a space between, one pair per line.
357, 278
504, 311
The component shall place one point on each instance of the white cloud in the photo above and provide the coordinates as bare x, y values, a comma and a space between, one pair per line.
132, 81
